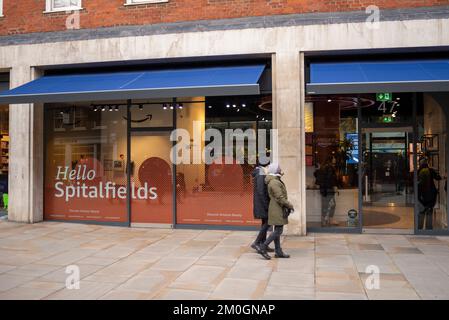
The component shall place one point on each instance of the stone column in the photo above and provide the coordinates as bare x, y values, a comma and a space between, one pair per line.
26, 154
288, 120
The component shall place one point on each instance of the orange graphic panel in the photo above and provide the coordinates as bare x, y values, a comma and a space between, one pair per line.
84, 193
222, 195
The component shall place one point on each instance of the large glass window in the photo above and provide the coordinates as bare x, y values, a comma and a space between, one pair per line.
151, 177
433, 161
218, 190
332, 143
85, 167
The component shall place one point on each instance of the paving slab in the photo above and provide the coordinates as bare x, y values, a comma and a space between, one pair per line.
236, 289
200, 278
138, 263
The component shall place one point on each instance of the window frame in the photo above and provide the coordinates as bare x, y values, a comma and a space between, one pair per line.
140, 2
49, 7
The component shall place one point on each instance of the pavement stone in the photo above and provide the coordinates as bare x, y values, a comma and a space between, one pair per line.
139, 263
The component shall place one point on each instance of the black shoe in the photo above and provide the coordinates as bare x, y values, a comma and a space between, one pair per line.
263, 252
265, 255
282, 255
255, 246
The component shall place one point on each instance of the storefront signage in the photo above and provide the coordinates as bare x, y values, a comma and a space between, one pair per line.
81, 183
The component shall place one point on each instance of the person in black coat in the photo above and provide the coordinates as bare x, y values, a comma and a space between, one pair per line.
427, 193
261, 200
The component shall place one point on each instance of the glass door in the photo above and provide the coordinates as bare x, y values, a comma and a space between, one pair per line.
151, 175
388, 178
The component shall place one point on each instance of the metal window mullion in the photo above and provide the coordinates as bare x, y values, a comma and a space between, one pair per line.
415, 162
361, 165
128, 162
174, 205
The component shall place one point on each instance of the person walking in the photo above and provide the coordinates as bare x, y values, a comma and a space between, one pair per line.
261, 201
427, 194
326, 178
278, 211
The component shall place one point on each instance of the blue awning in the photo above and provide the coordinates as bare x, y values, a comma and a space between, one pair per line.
378, 76
146, 84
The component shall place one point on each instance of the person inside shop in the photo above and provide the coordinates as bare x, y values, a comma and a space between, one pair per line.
180, 186
261, 201
279, 209
326, 179
399, 173
427, 194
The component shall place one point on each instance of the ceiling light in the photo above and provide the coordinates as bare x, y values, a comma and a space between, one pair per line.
103, 108
164, 107
228, 106
234, 106
116, 108
210, 107
111, 109
243, 105
238, 110
329, 100
140, 106
95, 108
171, 107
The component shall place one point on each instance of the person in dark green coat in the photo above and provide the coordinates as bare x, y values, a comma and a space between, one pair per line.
277, 209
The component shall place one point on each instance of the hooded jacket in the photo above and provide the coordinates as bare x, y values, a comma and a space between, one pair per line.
278, 200
261, 199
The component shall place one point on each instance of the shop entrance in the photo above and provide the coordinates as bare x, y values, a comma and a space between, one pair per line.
387, 177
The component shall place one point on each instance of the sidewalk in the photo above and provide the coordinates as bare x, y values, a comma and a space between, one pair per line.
129, 263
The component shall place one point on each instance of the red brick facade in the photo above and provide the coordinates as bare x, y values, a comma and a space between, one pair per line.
26, 16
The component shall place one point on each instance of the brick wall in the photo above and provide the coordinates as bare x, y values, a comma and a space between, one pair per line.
26, 16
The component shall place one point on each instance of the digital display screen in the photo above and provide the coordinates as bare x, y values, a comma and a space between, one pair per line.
354, 154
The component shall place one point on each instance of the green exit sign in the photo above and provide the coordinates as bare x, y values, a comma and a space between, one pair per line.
387, 119
384, 97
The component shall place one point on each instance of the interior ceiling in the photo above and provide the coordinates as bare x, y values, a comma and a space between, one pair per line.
239, 107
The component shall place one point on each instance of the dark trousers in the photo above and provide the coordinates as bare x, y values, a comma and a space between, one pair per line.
427, 216
276, 237
262, 236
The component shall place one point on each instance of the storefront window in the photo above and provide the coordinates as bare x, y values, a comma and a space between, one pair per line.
332, 160
86, 170
432, 169
85, 167
219, 191
151, 178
